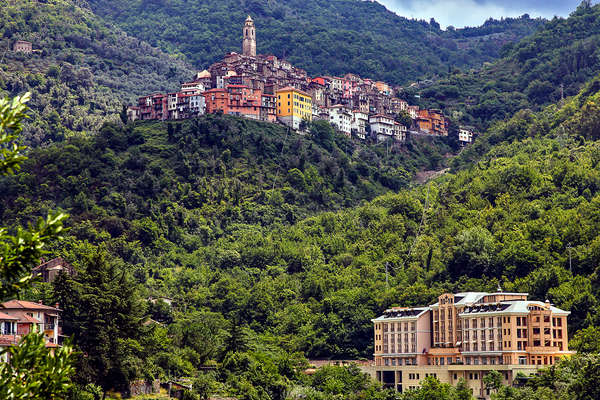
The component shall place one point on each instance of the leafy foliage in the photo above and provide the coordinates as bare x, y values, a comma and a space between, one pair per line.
82, 71
34, 372
323, 37
19, 252
559, 58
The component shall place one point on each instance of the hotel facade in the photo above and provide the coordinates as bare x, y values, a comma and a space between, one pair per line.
466, 335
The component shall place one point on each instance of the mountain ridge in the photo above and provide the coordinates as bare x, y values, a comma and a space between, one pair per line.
323, 37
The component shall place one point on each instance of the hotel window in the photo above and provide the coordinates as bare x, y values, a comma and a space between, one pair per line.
546, 318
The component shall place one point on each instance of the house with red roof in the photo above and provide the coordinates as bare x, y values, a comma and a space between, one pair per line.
20, 317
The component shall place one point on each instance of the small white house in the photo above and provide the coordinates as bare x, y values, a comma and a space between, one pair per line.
341, 118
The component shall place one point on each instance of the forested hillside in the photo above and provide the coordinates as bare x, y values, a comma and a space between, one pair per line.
534, 72
321, 36
82, 71
260, 294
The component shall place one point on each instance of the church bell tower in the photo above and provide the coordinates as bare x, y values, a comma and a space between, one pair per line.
249, 45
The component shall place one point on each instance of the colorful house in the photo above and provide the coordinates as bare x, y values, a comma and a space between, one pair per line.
293, 106
19, 317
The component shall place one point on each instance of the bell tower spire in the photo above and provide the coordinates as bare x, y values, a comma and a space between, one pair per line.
249, 44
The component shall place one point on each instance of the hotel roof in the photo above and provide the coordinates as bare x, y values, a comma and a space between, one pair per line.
398, 313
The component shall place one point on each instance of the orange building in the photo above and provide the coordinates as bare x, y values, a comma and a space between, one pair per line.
466, 335
432, 122
244, 102
216, 100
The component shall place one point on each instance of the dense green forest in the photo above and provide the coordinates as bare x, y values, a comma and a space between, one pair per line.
559, 58
256, 291
83, 70
321, 36
273, 246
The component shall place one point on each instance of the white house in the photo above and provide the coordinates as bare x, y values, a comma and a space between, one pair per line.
466, 135
341, 118
382, 127
360, 120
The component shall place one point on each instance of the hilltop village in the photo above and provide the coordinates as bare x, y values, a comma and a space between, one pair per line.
265, 88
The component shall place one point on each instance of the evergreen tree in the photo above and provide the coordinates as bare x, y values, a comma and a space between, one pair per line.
103, 313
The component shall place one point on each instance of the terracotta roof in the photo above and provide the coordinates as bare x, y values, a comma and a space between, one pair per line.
48, 344
25, 305
4, 317
29, 319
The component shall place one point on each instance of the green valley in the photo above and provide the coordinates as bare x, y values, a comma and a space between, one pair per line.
228, 258
322, 36
83, 70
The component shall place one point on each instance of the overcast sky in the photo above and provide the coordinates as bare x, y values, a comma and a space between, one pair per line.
460, 13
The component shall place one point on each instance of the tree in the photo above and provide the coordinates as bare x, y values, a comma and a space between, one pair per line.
33, 372
586, 340
404, 119
493, 380
123, 114
103, 313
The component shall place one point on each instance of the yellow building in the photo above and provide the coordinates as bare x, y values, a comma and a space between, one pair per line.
293, 106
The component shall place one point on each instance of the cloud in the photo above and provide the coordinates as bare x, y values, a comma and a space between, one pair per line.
461, 13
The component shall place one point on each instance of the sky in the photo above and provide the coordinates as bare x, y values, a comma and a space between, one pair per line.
460, 13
